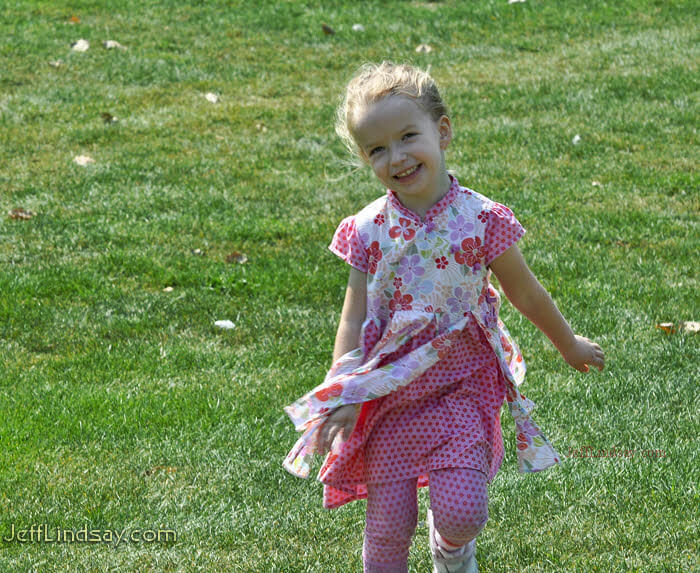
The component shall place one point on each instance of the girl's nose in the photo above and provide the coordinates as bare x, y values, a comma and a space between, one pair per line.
396, 155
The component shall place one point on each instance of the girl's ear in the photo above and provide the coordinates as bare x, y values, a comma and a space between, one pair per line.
445, 130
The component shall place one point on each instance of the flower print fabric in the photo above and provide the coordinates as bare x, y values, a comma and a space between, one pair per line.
432, 274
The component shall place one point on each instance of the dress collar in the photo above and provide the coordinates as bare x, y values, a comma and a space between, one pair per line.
434, 210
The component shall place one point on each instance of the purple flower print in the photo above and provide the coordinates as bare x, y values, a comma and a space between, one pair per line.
459, 303
404, 368
460, 228
354, 391
364, 237
408, 266
528, 428
489, 317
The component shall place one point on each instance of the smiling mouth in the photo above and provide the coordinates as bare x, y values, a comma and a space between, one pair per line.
407, 172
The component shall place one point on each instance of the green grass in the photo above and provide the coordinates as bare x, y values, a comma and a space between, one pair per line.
122, 405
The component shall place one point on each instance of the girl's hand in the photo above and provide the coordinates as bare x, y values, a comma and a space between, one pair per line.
583, 352
343, 419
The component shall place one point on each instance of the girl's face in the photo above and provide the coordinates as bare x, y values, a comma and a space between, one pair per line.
405, 148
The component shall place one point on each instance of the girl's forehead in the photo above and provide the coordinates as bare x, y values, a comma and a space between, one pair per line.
388, 115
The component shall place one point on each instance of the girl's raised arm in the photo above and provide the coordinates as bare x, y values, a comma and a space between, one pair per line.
527, 295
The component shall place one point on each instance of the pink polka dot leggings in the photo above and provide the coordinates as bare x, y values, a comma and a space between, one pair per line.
458, 499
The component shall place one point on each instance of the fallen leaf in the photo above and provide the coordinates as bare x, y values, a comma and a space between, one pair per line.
55, 63
168, 289
260, 127
327, 30
113, 44
236, 257
424, 49
225, 324
515, 1
358, 28
80, 46
108, 117
21, 214
689, 327
597, 184
197, 252
83, 160
576, 140
74, 19
212, 97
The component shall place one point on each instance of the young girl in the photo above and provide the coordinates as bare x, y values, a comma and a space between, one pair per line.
422, 363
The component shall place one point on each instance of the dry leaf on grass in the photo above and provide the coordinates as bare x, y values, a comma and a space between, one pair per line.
113, 44
327, 30
74, 19
21, 214
80, 46
666, 327
689, 327
236, 257
168, 289
212, 97
358, 28
83, 160
424, 49
55, 63
576, 140
225, 324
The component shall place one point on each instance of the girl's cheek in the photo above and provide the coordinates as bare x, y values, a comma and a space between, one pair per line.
378, 165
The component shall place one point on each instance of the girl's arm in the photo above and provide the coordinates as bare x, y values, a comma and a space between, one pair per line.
353, 314
527, 295
347, 339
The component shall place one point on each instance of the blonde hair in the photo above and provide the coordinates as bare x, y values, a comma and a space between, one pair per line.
372, 82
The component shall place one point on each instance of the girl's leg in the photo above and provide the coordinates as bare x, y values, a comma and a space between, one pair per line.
459, 502
392, 515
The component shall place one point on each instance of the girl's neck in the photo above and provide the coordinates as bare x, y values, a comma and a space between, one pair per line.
420, 205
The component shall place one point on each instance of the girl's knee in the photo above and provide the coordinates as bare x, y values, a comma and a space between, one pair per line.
459, 525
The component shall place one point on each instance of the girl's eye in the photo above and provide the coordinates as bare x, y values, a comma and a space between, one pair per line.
408, 135
375, 150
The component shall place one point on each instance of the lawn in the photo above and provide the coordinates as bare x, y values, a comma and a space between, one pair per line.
125, 409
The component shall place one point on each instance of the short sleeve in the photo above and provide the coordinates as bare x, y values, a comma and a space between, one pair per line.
502, 231
348, 245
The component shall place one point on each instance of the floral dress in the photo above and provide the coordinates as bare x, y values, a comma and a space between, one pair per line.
434, 362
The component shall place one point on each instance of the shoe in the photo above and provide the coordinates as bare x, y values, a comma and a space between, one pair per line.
461, 560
